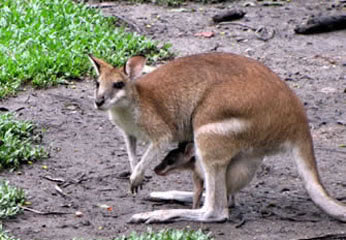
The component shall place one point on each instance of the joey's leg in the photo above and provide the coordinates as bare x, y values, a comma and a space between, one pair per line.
231, 200
131, 142
197, 191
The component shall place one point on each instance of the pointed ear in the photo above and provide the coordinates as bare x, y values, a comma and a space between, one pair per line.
95, 63
134, 67
189, 150
98, 64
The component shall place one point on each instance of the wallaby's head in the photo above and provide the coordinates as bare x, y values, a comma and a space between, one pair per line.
181, 158
112, 83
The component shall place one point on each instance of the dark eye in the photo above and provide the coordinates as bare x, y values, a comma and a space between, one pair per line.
170, 161
97, 84
118, 85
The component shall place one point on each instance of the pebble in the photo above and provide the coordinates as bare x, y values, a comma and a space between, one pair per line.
78, 214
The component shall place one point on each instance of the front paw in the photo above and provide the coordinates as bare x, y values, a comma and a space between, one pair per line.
136, 182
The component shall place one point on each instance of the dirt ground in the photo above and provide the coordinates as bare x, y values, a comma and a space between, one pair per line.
88, 153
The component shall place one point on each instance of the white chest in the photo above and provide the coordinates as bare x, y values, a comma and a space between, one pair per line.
125, 119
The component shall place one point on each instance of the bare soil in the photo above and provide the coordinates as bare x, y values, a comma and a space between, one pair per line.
88, 153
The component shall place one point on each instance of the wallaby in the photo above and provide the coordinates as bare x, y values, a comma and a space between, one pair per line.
230, 106
239, 173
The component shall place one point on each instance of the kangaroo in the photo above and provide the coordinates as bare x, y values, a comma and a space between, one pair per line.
239, 173
230, 106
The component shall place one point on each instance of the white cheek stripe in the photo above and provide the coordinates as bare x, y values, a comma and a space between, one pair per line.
225, 127
120, 94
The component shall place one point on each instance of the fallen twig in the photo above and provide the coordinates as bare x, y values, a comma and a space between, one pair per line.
239, 24
129, 23
262, 33
287, 217
331, 150
81, 179
336, 236
108, 189
42, 213
60, 180
4, 109
322, 24
242, 222
60, 191
230, 15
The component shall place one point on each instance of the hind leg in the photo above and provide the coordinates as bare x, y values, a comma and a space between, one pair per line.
215, 149
214, 161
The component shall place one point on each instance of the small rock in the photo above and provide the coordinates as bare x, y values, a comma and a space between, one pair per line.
341, 122
205, 34
231, 15
86, 223
285, 190
249, 4
240, 39
328, 90
249, 51
78, 214
274, 4
124, 175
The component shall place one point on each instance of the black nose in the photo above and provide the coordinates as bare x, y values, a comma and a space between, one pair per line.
100, 101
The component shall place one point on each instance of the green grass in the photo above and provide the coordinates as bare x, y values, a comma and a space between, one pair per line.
4, 235
172, 234
10, 199
45, 42
18, 142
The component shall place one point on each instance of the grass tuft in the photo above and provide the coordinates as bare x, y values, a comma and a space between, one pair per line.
10, 199
171, 234
4, 235
45, 42
18, 142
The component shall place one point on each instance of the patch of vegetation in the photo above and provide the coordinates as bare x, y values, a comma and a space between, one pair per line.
45, 42
4, 235
171, 234
18, 142
10, 199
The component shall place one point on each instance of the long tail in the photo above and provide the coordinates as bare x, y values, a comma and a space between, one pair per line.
305, 159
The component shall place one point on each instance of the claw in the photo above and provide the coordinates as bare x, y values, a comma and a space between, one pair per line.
135, 189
